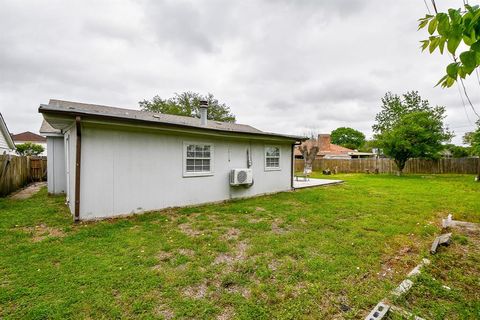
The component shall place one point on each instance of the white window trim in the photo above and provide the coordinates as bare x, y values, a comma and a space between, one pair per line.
279, 158
184, 164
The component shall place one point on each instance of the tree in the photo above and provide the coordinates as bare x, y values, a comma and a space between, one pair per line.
394, 107
475, 141
309, 150
467, 138
187, 104
452, 28
409, 127
29, 149
348, 138
369, 145
457, 151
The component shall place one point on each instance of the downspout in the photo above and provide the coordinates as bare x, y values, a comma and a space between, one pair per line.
78, 161
292, 173
292, 169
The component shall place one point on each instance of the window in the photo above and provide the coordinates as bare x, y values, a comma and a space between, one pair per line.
198, 159
272, 158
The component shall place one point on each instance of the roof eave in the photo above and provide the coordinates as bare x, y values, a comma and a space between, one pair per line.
46, 109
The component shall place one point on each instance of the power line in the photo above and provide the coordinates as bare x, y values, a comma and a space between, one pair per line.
426, 5
463, 102
461, 80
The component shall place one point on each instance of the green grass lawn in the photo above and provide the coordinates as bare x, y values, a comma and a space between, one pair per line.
319, 253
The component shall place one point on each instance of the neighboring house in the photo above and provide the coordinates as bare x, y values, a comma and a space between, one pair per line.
7, 145
31, 137
328, 150
121, 161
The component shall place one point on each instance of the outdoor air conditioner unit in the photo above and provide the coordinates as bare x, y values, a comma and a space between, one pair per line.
240, 177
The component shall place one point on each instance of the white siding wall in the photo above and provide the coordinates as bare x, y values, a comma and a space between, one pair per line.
56, 178
4, 145
126, 172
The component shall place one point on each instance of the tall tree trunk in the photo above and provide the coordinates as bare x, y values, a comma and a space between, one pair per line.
478, 171
400, 165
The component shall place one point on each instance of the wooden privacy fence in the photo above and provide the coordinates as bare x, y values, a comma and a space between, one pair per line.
384, 165
16, 172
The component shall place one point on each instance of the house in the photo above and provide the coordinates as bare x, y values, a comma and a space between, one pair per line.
328, 150
121, 161
7, 146
56, 175
31, 137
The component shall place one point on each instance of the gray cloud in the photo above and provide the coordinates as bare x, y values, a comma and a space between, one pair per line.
284, 66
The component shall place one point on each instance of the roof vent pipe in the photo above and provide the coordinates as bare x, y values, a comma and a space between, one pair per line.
203, 112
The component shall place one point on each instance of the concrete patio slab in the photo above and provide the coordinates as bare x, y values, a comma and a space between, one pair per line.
300, 184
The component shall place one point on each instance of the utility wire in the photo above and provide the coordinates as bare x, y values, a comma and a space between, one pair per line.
426, 5
463, 102
461, 80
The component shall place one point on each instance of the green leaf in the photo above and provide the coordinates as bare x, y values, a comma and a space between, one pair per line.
425, 44
476, 46
452, 43
432, 25
469, 60
452, 70
442, 80
443, 24
441, 44
422, 24
455, 15
433, 44
462, 73
449, 82
469, 40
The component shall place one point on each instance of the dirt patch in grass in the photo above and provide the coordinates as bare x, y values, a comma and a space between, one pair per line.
196, 292
239, 254
187, 229
237, 289
277, 227
260, 209
232, 234
162, 256
254, 220
392, 265
164, 312
227, 314
448, 288
186, 252
42, 231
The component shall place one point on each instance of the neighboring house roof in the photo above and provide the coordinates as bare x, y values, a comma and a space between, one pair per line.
6, 134
326, 148
28, 136
59, 107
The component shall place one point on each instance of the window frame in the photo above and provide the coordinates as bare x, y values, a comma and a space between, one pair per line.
267, 168
184, 163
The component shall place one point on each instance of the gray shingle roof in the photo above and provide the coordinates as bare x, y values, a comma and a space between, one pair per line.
46, 128
76, 108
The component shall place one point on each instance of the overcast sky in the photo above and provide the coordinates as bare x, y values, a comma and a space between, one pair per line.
282, 66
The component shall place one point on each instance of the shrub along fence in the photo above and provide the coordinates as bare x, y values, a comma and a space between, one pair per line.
16, 172
384, 165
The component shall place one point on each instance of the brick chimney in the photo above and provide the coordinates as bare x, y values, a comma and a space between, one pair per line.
324, 142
